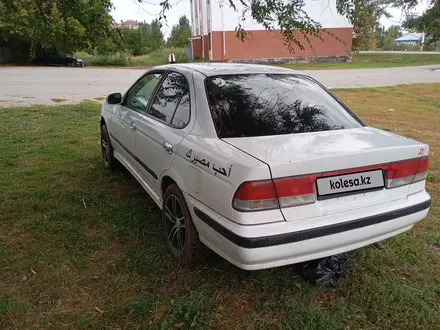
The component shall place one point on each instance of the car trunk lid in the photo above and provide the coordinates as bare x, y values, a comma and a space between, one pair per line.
345, 165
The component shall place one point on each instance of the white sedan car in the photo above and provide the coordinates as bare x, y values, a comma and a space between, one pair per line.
261, 164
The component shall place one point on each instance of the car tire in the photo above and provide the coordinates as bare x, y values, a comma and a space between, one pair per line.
180, 234
107, 151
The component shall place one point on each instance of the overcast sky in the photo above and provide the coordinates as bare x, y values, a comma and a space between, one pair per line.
149, 9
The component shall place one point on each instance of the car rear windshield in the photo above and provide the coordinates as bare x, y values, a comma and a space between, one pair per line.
273, 104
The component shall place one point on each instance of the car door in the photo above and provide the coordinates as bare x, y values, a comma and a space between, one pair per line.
160, 131
135, 102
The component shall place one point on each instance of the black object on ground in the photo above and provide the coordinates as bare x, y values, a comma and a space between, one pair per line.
379, 245
324, 271
54, 59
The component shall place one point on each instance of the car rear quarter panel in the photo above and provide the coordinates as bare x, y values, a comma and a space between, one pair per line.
215, 189
211, 170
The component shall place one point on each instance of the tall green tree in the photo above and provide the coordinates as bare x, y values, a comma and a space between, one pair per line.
392, 33
97, 22
428, 22
180, 33
137, 41
379, 36
146, 33
56, 25
156, 40
367, 14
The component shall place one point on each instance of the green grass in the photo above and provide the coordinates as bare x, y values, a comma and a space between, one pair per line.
8, 306
373, 61
81, 248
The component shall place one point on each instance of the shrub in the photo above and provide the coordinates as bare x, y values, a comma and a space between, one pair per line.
104, 60
159, 57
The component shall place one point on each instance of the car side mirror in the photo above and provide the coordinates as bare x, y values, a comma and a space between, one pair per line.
114, 98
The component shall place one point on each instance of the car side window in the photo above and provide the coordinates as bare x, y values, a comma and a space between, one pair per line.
139, 96
168, 98
181, 116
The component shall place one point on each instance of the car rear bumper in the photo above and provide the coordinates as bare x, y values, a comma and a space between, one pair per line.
277, 244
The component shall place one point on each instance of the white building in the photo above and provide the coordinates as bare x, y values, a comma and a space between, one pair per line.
214, 36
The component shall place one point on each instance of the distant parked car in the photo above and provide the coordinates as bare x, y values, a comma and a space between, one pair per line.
50, 59
262, 164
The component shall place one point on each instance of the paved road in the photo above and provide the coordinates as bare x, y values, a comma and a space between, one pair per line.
34, 85
21, 86
355, 78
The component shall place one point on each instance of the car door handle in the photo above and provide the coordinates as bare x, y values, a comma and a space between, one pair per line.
132, 126
168, 147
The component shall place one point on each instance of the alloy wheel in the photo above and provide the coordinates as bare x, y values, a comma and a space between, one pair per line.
175, 224
105, 148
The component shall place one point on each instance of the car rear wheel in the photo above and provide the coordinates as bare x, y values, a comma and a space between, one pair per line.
180, 234
107, 151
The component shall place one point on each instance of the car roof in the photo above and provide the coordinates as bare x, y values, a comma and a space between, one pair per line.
213, 69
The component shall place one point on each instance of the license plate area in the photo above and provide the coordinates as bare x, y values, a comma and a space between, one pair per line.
336, 185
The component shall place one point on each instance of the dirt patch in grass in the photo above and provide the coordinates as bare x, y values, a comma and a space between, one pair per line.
82, 248
325, 298
16, 238
58, 100
88, 101
28, 161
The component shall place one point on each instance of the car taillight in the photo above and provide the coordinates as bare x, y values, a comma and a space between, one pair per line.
255, 196
268, 194
295, 191
406, 172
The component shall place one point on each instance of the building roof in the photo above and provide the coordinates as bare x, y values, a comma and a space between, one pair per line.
129, 21
213, 69
410, 37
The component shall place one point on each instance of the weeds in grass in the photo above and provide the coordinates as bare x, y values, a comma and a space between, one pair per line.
9, 306
104, 60
188, 311
58, 100
384, 60
431, 177
160, 57
88, 101
157, 57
